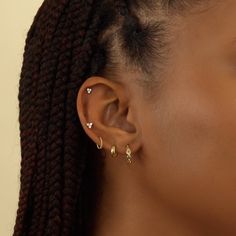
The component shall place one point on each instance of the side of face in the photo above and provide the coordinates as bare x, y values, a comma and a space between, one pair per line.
190, 144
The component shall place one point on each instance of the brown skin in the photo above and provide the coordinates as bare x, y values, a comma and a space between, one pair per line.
183, 177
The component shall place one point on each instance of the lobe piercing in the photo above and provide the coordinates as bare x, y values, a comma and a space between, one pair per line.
113, 151
100, 146
128, 154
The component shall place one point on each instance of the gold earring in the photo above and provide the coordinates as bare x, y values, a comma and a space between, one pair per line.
90, 125
100, 147
89, 90
113, 151
128, 154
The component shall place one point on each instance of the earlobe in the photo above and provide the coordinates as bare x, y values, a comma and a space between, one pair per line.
103, 109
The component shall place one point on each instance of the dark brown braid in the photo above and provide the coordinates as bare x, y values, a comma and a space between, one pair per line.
69, 41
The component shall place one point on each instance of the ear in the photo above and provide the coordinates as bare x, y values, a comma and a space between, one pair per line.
109, 108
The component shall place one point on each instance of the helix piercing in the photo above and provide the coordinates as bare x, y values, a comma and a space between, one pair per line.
89, 125
100, 147
89, 90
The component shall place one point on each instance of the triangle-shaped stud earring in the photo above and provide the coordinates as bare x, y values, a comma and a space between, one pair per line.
89, 90
89, 125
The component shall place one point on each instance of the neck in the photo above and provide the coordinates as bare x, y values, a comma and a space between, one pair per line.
128, 208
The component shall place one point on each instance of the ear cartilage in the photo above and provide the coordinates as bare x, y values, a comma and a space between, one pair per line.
89, 90
89, 125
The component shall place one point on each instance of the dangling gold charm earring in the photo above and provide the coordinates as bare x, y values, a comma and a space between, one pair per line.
113, 151
100, 147
128, 154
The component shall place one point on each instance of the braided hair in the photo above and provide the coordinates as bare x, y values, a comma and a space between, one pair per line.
69, 41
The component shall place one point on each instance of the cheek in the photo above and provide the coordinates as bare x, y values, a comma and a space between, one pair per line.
191, 154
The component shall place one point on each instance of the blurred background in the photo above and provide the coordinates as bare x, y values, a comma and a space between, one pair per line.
15, 19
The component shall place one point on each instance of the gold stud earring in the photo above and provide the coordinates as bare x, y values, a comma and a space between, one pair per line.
89, 90
89, 125
113, 151
128, 154
101, 143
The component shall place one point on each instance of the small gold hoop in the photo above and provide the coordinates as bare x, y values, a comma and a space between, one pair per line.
100, 147
113, 151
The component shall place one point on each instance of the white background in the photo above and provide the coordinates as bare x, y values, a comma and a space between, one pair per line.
15, 19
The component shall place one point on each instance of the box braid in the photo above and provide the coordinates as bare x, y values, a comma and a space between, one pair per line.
69, 41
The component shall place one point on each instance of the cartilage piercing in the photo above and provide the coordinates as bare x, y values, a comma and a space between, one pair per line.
89, 90
89, 125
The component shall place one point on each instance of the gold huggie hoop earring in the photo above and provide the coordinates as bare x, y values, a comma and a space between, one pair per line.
100, 147
128, 154
113, 151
